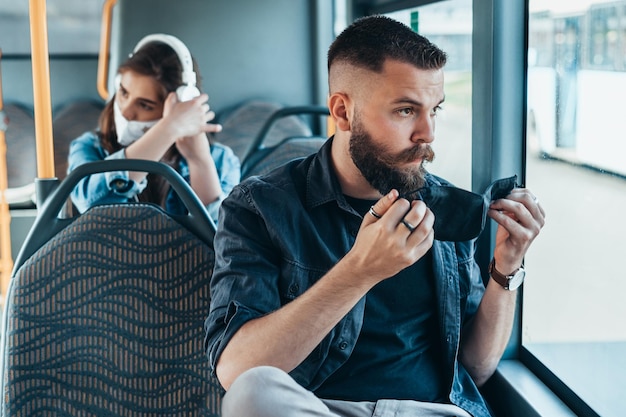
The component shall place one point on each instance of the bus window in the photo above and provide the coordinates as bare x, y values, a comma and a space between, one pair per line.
73, 26
448, 24
572, 324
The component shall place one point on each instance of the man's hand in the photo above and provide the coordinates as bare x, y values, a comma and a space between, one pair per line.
393, 235
520, 219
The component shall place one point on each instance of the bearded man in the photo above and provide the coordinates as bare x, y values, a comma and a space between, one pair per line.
331, 295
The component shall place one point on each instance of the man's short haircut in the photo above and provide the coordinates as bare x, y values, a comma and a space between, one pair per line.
371, 40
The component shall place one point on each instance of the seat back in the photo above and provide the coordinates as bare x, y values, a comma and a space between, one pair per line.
20, 141
262, 156
266, 159
105, 318
69, 122
243, 123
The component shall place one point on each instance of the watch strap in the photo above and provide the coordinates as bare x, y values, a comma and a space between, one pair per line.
501, 279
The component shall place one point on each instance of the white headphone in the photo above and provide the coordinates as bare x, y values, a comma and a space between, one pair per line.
188, 89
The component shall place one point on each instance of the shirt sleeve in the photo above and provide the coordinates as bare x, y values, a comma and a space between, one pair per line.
229, 171
101, 187
244, 282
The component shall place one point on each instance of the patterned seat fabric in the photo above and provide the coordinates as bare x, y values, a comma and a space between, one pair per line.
106, 319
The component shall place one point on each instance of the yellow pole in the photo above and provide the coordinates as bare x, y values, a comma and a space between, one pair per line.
103, 55
41, 88
6, 259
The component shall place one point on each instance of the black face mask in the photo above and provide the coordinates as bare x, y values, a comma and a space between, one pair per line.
460, 214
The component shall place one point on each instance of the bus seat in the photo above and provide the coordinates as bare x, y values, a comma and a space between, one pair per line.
70, 121
20, 141
105, 310
263, 156
267, 159
242, 123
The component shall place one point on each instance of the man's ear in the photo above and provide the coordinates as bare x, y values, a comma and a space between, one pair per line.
339, 105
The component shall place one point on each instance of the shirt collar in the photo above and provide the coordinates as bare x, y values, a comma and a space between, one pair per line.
322, 185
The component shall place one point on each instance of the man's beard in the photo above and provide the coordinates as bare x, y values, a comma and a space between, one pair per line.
380, 168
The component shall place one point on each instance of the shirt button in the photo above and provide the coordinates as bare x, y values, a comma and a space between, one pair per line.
293, 289
343, 345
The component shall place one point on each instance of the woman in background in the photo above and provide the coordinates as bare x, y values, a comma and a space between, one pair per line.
147, 119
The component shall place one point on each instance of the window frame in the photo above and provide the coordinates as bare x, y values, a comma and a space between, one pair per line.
522, 385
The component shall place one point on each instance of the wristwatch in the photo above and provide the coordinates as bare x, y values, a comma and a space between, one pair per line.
508, 282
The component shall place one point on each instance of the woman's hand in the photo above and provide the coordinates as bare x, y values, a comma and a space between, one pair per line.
189, 118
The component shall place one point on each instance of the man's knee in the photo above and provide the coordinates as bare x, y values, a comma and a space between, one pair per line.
261, 378
256, 392
266, 391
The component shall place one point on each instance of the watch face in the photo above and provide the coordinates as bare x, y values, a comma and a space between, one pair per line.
516, 280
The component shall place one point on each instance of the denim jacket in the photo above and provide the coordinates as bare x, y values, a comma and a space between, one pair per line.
116, 187
282, 232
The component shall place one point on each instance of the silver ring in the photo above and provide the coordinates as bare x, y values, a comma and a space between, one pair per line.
408, 225
373, 213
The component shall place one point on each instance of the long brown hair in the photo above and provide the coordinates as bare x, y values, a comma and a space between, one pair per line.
159, 61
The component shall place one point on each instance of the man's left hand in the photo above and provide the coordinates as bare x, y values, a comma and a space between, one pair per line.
520, 218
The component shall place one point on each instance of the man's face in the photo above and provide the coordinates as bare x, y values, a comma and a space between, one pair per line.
383, 169
393, 127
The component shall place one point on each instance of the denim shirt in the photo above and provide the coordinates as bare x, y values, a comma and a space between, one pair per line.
281, 232
117, 187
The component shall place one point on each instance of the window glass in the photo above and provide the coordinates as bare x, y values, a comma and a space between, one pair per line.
573, 308
73, 26
340, 19
448, 24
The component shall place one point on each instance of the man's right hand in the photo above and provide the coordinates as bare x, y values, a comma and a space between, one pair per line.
402, 235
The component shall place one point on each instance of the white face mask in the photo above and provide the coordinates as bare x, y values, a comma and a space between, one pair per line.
128, 131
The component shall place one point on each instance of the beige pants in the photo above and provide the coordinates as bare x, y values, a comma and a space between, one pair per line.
269, 392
